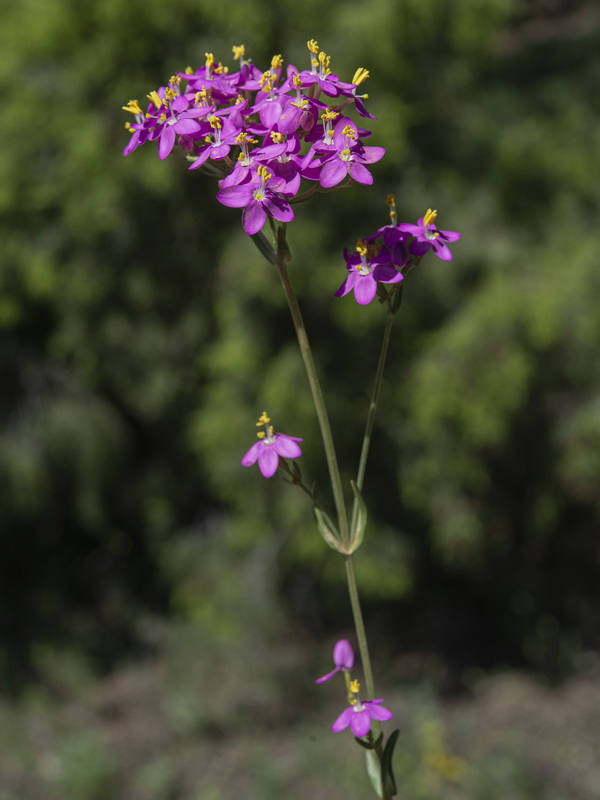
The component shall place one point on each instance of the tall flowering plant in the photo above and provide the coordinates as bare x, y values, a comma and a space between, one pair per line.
274, 138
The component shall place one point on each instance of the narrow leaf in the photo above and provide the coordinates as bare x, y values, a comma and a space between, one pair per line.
374, 771
387, 772
359, 519
328, 530
265, 248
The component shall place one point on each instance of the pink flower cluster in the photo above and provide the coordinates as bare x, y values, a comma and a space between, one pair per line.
264, 131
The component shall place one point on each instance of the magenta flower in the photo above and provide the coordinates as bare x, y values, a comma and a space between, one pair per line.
258, 197
367, 267
346, 156
427, 236
270, 446
343, 658
358, 717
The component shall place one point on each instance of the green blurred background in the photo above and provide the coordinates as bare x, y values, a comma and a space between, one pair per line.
163, 611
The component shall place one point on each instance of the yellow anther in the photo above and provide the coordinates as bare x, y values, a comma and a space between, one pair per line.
324, 59
128, 127
345, 152
133, 107
162, 118
314, 63
360, 75
277, 137
271, 430
201, 97
239, 99
430, 217
189, 71
349, 132
263, 420
208, 139
277, 61
297, 81
300, 103
210, 60
354, 687
361, 248
175, 80
266, 77
239, 51
154, 98
171, 94
329, 115
215, 122
263, 173
221, 69
313, 46
261, 434
149, 116
391, 200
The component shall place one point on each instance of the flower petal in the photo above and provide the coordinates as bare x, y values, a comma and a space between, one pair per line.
360, 723
343, 654
343, 720
268, 461
253, 217
328, 676
360, 173
377, 712
332, 173
365, 289
286, 447
252, 454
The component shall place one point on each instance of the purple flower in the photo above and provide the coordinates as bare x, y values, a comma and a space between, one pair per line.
347, 156
257, 197
367, 267
343, 658
359, 715
270, 446
427, 236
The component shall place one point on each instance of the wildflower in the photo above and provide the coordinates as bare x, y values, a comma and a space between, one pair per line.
359, 714
343, 658
257, 197
347, 156
367, 267
427, 236
270, 446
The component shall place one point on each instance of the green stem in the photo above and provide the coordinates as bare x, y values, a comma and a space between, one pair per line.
359, 626
317, 394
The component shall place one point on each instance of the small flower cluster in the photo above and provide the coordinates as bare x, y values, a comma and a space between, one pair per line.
270, 447
263, 131
390, 252
359, 713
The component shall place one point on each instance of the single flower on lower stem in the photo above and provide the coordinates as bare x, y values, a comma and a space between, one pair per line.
270, 447
427, 236
359, 714
343, 658
367, 267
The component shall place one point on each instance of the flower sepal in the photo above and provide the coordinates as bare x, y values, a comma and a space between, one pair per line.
329, 531
359, 520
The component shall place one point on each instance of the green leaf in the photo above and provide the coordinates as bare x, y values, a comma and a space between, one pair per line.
328, 530
265, 248
387, 772
374, 770
359, 519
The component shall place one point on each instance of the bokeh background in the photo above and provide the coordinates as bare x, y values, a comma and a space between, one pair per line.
163, 612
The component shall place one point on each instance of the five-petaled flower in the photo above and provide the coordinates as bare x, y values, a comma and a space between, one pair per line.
343, 658
427, 236
359, 714
367, 267
270, 447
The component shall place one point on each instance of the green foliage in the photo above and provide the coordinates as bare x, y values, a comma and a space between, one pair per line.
141, 334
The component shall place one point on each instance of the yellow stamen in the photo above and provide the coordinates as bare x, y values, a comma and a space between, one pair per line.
175, 80
349, 132
261, 434
263, 173
297, 81
277, 137
313, 46
128, 127
430, 217
189, 71
354, 687
221, 70
264, 419
361, 248
133, 107
239, 51
276, 61
154, 98
215, 122
210, 60
329, 115
271, 430
201, 97
360, 76
163, 118
171, 94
